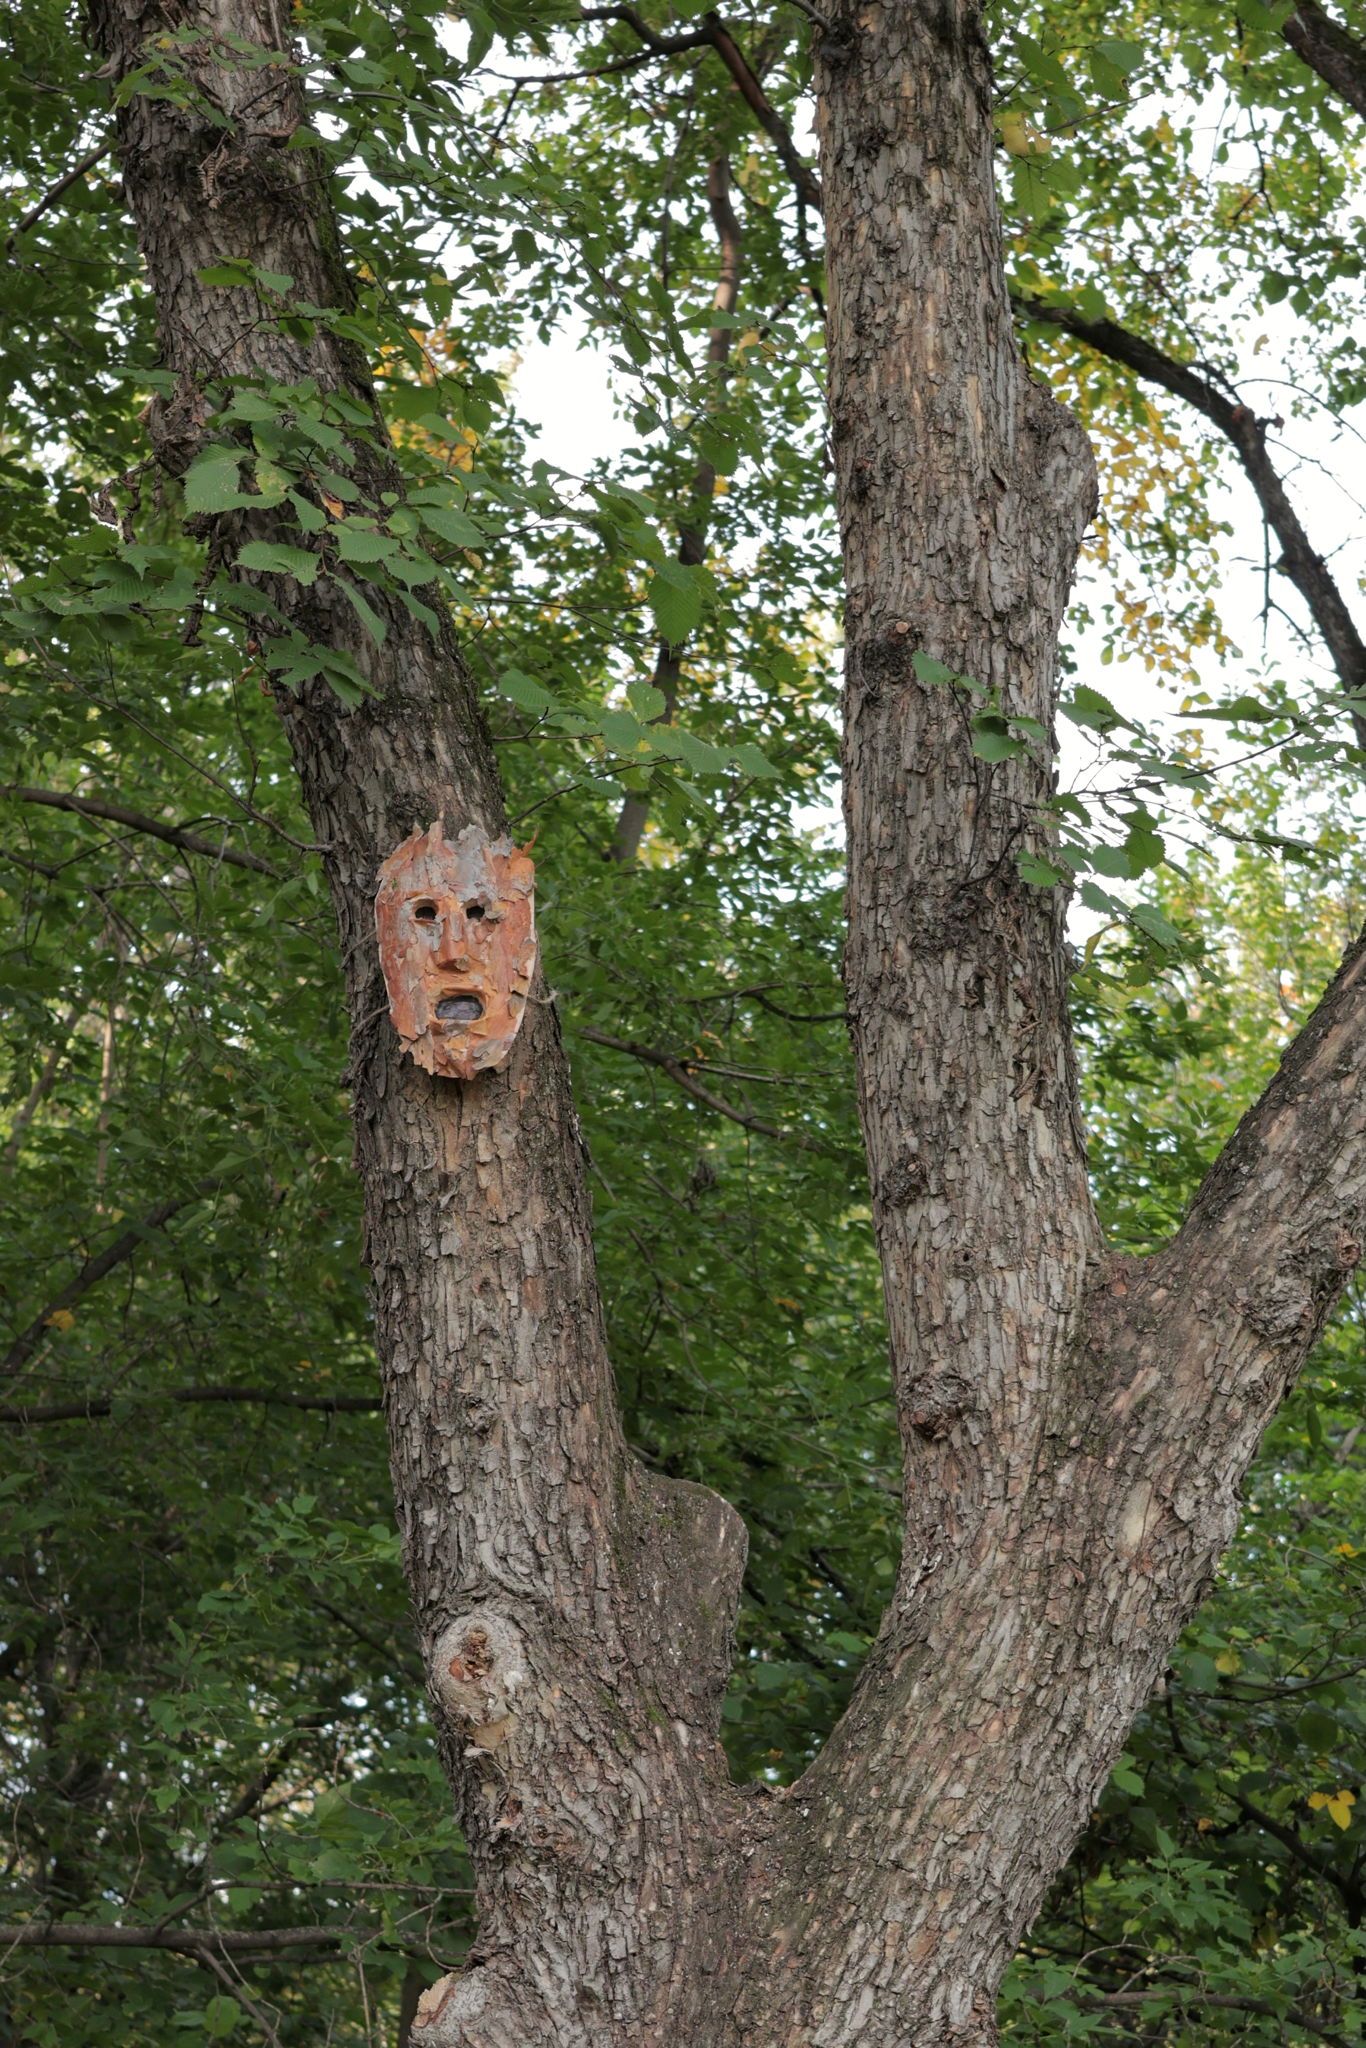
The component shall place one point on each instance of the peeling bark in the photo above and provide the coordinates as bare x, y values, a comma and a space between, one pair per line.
1075, 1426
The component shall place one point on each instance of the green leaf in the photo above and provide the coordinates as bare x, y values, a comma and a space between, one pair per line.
525, 691
1242, 711
623, 733
225, 274
221, 2016
1038, 873
930, 670
449, 523
646, 700
1088, 708
362, 543
213, 482
1158, 927
365, 612
675, 598
278, 560
993, 741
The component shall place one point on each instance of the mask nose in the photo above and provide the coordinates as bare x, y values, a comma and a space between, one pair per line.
451, 949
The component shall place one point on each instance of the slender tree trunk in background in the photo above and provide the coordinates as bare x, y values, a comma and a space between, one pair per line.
692, 544
1075, 1426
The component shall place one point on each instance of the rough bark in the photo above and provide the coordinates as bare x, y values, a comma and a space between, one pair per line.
1075, 1426
1328, 48
583, 1748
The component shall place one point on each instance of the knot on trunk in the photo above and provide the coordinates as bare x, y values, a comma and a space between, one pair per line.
478, 1670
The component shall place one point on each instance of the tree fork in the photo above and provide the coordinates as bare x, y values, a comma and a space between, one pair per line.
1074, 1425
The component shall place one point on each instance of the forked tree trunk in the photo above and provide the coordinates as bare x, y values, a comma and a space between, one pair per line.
1075, 1426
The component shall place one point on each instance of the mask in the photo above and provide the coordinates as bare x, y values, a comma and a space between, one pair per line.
457, 942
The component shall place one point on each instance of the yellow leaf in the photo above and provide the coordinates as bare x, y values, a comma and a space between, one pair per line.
1228, 1662
60, 1319
1346, 1550
1020, 136
1338, 1806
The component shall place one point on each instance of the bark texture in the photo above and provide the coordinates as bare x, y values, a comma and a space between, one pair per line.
1075, 1426
1327, 47
588, 1603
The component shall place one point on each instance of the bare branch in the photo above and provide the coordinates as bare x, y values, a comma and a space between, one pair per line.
54, 192
715, 32
1184, 1996
95, 1269
1306, 569
678, 1071
190, 1941
770, 120
273, 1397
137, 821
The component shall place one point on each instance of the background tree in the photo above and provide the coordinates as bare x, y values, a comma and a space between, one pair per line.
270, 1643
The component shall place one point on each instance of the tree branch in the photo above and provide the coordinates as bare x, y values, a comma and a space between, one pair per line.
185, 1941
38, 1093
1203, 1340
715, 32
677, 1070
54, 192
137, 821
769, 119
1306, 569
1326, 47
1110, 2000
95, 1269
102, 1404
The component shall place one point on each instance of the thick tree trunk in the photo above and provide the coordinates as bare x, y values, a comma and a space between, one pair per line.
1075, 1426
591, 1601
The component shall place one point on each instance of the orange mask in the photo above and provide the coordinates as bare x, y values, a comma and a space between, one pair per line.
457, 942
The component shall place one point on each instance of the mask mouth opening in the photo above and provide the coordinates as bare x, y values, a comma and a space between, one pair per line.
462, 1008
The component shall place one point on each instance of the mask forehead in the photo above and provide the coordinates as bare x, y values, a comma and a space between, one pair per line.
456, 927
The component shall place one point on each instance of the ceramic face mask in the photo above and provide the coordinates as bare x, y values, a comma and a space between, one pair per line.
457, 942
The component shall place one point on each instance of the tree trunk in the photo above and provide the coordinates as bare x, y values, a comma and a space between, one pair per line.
1075, 1426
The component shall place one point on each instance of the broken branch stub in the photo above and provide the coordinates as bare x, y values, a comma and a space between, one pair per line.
457, 942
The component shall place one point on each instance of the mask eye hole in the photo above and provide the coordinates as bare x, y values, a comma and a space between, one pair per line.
425, 913
473, 911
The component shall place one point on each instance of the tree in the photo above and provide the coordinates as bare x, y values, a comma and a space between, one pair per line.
1075, 1422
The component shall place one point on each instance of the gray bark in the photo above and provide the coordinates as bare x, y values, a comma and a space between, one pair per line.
1075, 1426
